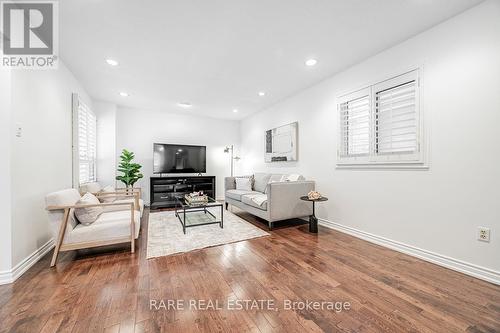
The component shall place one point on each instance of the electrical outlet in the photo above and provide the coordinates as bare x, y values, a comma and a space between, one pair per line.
483, 234
19, 130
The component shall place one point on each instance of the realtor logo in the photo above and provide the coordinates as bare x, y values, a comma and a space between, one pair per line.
29, 34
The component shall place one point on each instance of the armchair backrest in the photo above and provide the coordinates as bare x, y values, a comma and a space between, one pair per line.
66, 197
93, 187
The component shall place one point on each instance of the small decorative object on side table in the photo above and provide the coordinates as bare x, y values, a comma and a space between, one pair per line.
313, 197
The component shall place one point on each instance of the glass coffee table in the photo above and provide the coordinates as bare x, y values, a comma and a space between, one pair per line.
193, 215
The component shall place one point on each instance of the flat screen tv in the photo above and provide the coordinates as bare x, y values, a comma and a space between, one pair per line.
169, 158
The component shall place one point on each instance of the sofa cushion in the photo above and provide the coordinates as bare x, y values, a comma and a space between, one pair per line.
244, 184
277, 177
255, 200
236, 194
107, 226
293, 177
88, 215
260, 181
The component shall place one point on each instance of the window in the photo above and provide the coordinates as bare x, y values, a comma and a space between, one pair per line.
381, 124
354, 111
84, 143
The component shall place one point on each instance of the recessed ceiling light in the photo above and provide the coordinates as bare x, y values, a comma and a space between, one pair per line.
124, 94
235, 110
262, 93
112, 62
311, 62
184, 104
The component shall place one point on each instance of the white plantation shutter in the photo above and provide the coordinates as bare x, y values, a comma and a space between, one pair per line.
396, 118
85, 142
354, 112
381, 124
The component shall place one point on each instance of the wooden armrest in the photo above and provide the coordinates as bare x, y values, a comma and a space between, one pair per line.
135, 190
121, 195
131, 204
115, 194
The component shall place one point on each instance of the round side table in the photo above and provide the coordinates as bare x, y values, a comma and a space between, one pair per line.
313, 220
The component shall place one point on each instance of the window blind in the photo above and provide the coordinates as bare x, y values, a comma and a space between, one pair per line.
87, 144
396, 119
382, 124
355, 125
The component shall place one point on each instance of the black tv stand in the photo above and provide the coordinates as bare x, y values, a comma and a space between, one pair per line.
164, 190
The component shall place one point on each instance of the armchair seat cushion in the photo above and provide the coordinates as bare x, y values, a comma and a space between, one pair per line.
255, 200
236, 194
108, 225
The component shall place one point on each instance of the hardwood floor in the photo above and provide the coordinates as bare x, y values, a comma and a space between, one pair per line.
110, 291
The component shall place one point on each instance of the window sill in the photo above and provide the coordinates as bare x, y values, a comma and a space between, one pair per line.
382, 166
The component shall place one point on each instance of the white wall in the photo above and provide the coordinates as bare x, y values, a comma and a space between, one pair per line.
41, 158
137, 130
106, 141
437, 210
5, 169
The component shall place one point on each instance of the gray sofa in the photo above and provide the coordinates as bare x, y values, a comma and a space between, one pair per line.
271, 198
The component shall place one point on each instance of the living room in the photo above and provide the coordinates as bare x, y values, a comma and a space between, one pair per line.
250, 166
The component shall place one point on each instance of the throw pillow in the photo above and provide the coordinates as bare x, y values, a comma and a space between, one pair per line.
88, 215
107, 198
293, 177
244, 184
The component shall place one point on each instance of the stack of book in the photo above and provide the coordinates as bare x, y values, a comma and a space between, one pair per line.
196, 198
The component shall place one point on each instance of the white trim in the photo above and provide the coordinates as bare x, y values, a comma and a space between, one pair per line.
74, 140
383, 166
77, 106
12, 275
479, 272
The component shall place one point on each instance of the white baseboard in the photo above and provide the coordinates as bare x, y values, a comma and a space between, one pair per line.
13, 274
435, 258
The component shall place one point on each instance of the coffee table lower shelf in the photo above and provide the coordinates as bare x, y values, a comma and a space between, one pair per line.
185, 210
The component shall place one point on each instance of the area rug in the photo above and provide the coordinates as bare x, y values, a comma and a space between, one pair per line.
165, 234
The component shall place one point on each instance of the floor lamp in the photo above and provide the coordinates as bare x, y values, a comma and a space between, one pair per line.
230, 149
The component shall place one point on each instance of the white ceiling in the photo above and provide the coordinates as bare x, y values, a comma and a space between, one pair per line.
219, 54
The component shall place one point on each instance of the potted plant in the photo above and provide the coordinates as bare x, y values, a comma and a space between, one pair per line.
131, 171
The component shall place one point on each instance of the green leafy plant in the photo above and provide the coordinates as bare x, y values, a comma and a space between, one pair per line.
131, 171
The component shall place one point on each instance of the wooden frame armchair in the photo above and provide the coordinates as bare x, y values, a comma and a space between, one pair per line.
112, 227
